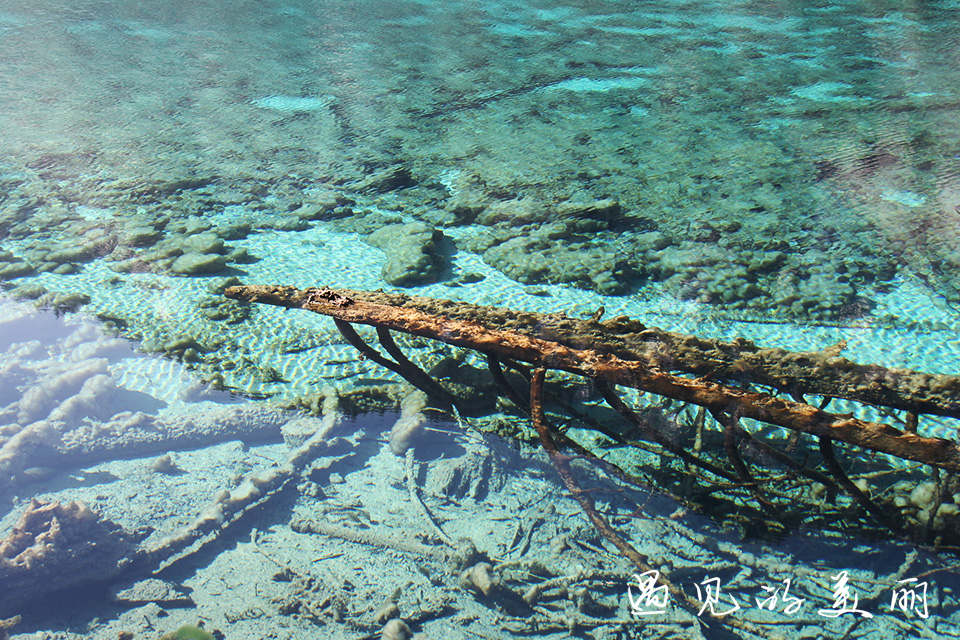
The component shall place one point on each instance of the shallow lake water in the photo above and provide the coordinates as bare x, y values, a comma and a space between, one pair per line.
787, 173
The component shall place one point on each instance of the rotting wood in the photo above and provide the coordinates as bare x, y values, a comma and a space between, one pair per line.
740, 361
624, 352
627, 353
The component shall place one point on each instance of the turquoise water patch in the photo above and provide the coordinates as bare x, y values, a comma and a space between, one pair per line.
603, 84
291, 104
825, 92
785, 174
903, 197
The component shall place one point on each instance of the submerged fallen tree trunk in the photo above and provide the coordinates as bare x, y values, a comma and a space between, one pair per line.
626, 353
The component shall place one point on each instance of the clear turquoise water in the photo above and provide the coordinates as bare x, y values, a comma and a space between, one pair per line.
789, 172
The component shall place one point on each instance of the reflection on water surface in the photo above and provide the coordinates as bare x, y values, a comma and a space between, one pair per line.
784, 172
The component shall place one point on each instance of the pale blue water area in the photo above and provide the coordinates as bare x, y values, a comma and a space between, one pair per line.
788, 173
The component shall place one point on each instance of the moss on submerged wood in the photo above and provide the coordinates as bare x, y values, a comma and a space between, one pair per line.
603, 351
823, 373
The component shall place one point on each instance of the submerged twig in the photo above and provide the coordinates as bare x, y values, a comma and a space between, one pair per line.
562, 464
414, 491
830, 460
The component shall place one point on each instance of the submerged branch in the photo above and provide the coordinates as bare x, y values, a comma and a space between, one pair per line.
626, 353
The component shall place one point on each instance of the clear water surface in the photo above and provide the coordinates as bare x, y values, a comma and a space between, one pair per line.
786, 172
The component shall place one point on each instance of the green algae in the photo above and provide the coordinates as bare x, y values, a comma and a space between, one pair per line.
189, 632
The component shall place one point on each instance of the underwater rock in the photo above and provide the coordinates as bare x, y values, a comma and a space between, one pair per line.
411, 424
740, 259
812, 286
190, 632
480, 470
326, 207
174, 185
66, 269
367, 222
215, 309
140, 235
194, 263
606, 210
468, 198
63, 301
480, 578
15, 269
88, 249
535, 259
177, 228
923, 495
165, 465
386, 612
55, 546
412, 254
688, 258
561, 244
395, 177
396, 629
160, 592
516, 213
130, 265
205, 242
286, 223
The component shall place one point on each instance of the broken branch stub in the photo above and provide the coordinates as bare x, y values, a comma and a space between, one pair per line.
627, 353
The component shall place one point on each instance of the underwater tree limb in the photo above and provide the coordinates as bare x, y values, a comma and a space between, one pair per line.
614, 400
493, 364
833, 465
414, 491
731, 444
257, 487
784, 459
403, 367
429, 386
552, 341
740, 361
561, 463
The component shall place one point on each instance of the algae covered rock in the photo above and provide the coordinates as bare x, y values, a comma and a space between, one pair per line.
206, 242
538, 260
469, 197
413, 257
607, 209
189, 632
534, 242
140, 235
389, 179
514, 212
15, 269
194, 263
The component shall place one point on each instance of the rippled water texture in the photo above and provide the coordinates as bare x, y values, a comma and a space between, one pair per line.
784, 171
794, 163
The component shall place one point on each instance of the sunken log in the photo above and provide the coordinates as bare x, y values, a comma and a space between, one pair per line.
625, 352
